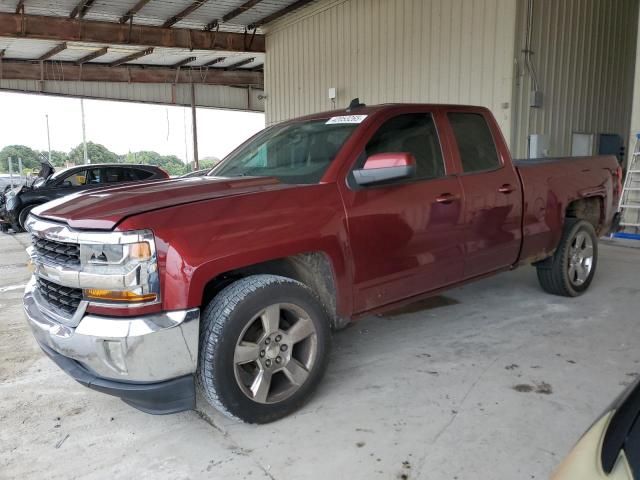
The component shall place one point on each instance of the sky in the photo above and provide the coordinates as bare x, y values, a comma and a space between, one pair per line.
121, 126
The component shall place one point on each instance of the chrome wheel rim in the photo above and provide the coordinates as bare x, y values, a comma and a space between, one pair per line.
275, 353
580, 261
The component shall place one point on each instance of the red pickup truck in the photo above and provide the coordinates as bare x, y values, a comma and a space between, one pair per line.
233, 281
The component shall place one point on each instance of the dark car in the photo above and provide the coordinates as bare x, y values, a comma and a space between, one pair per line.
51, 186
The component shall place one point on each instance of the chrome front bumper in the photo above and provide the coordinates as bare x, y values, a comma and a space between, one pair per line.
145, 349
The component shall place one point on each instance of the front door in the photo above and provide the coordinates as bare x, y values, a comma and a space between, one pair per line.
406, 236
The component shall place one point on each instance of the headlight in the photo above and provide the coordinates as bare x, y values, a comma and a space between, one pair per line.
122, 269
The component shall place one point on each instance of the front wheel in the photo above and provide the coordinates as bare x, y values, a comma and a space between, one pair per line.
264, 344
24, 214
571, 269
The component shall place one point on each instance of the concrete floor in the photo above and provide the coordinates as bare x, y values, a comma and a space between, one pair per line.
497, 380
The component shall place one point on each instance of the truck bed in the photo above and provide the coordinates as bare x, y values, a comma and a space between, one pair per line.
550, 185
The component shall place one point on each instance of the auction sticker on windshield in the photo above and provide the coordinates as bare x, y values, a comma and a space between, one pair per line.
346, 119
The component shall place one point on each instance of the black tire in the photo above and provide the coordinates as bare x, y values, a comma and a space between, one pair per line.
22, 217
224, 322
554, 272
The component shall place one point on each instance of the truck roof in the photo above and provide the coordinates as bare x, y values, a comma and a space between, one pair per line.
371, 109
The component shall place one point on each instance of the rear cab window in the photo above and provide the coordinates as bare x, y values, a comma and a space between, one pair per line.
478, 152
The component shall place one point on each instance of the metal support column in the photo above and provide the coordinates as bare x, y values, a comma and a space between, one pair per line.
194, 128
84, 138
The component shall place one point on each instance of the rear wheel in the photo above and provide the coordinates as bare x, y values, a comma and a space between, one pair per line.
263, 348
570, 271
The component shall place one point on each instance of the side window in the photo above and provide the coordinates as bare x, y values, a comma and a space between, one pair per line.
475, 142
114, 175
414, 133
94, 176
76, 179
139, 174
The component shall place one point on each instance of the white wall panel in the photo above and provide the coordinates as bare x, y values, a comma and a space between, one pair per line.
438, 51
585, 56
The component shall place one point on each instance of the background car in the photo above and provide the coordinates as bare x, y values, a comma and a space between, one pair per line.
610, 449
21, 200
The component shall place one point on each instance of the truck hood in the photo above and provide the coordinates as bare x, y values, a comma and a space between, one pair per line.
104, 208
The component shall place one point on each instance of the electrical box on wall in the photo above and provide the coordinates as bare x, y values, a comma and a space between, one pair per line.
538, 146
535, 99
332, 93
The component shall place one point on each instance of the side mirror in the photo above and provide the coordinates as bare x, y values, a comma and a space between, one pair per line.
383, 167
66, 184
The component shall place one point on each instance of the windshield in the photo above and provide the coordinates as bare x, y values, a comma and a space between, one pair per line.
297, 153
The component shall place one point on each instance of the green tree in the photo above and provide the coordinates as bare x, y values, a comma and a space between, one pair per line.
58, 159
208, 163
30, 158
97, 154
172, 164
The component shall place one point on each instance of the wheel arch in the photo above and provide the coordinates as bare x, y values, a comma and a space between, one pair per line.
590, 209
314, 269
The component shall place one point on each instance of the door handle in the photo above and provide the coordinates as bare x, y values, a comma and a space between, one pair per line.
506, 188
447, 198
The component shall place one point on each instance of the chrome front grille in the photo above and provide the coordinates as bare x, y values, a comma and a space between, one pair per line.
60, 253
63, 298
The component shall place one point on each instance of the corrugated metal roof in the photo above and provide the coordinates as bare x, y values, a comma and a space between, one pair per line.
28, 49
156, 12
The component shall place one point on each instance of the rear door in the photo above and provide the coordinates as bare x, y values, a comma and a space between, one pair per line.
407, 235
492, 191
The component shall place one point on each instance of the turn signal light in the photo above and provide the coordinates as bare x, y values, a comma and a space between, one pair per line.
140, 251
125, 296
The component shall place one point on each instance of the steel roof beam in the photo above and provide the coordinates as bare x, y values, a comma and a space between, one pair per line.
54, 51
131, 57
240, 10
211, 25
98, 72
133, 10
92, 56
279, 13
109, 33
239, 64
182, 63
214, 61
81, 9
184, 13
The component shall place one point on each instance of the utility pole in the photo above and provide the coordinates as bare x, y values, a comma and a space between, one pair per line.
10, 171
84, 138
194, 128
48, 136
20, 168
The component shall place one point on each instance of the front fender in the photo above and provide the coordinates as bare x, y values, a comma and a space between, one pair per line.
198, 242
